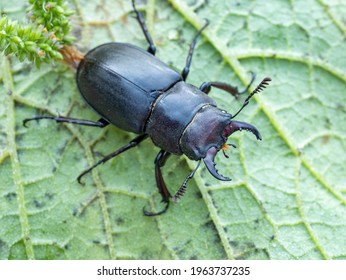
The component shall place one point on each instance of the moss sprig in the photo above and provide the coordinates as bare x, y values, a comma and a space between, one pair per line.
42, 40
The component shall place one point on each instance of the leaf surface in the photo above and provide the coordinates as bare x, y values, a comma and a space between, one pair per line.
287, 197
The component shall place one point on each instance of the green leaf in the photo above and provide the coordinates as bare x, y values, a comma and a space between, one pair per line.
287, 199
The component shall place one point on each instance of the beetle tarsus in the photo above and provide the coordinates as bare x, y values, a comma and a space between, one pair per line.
186, 69
79, 178
130, 145
100, 123
151, 214
253, 77
206, 87
152, 48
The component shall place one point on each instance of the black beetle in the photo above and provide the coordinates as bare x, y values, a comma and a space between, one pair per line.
133, 90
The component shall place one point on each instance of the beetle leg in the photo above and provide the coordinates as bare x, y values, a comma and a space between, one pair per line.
186, 69
100, 123
130, 145
151, 49
160, 161
206, 87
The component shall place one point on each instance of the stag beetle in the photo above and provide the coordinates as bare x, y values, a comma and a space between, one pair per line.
135, 91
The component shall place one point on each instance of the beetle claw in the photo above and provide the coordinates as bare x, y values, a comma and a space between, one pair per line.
210, 164
150, 214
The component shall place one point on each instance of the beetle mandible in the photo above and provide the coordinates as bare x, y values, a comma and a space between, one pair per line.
135, 91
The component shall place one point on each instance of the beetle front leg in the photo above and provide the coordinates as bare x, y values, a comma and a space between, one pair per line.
206, 87
152, 48
160, 161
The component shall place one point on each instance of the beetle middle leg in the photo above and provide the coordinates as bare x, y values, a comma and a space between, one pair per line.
152, 48
160, 161
206, 87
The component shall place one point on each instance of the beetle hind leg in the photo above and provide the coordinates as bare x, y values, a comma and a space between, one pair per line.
100, 123
152, 48
160, 161
131, 144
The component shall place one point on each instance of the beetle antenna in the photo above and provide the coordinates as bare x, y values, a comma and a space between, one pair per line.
180, 193
262, 85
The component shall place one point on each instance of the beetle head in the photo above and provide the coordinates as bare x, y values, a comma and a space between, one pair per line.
207, 133
232, 127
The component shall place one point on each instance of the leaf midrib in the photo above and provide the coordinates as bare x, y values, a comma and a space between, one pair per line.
17, 178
